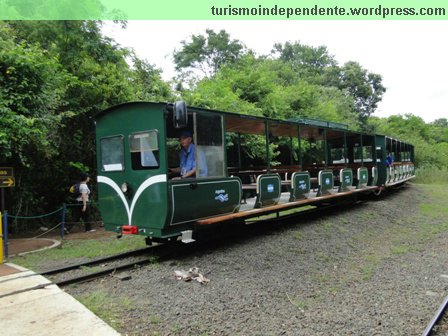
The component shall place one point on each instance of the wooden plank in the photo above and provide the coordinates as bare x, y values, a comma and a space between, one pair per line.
278, 207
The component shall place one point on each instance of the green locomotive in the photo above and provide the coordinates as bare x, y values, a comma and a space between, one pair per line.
243, 167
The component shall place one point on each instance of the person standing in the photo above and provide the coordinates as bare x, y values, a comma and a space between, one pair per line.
83, 202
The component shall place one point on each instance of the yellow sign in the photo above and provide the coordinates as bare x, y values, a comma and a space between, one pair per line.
6, 172
6, 182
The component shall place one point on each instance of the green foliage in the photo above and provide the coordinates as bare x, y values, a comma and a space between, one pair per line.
54, 77
261, 86
430, 140
30, 94
208, 53
317, 66
310, 63
365, 88
147, 82
430, 174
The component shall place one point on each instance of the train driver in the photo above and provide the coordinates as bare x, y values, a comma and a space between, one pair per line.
187, 157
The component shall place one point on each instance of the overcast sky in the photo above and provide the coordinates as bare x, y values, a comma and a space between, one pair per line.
411, 56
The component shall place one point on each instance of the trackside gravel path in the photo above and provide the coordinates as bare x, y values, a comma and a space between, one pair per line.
377, 268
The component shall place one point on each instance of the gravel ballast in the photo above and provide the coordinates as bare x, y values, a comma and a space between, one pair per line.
375, 268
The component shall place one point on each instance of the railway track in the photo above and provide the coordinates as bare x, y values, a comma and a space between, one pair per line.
439, 321
210, 240
88, 271
101, 267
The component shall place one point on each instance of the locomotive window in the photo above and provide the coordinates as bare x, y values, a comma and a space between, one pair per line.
210, 145
144, 150
112, 153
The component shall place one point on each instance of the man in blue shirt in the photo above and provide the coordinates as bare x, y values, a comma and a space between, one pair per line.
187, 157
389, 159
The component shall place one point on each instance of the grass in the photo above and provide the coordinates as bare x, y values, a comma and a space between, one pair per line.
431, 175
401, 249
155, 319
74, 249
298, 235
323, 257
302, 305
109, 308
405, 234
281, 213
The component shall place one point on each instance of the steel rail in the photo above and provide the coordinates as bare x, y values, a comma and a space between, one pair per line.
99, 261
102, 273
443, 307
164, 251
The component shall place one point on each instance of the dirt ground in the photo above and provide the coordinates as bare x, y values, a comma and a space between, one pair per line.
23, 245
376, 268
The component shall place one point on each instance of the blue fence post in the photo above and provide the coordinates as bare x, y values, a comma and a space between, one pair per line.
64, 211
5, 233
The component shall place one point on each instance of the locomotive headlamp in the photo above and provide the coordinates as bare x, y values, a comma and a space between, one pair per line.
124, 187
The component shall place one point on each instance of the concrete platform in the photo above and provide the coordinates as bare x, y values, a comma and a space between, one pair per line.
30, 306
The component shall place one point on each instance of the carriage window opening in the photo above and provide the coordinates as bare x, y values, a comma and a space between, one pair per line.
357, 153
367, 153
112, 154
144, 147
337, 155
364, 153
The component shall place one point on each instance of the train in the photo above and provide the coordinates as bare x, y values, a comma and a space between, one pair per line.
242, 167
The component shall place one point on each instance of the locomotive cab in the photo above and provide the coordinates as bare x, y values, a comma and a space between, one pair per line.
131, 161
138, 152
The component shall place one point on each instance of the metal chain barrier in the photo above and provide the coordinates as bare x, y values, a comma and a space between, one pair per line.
61, 224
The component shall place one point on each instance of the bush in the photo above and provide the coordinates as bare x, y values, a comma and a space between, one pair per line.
429, 174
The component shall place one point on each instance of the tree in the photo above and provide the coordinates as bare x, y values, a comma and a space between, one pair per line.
429, 140
147, 82
208, 53
31, 90
365, 88
54, 77
32, 87
317, 66
268, 87
309, 63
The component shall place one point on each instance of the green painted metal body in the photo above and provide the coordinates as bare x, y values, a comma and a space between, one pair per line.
374, 179
300, 186
380, 141
326, 182
158, 207
197, 198
146, 203
268, 190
